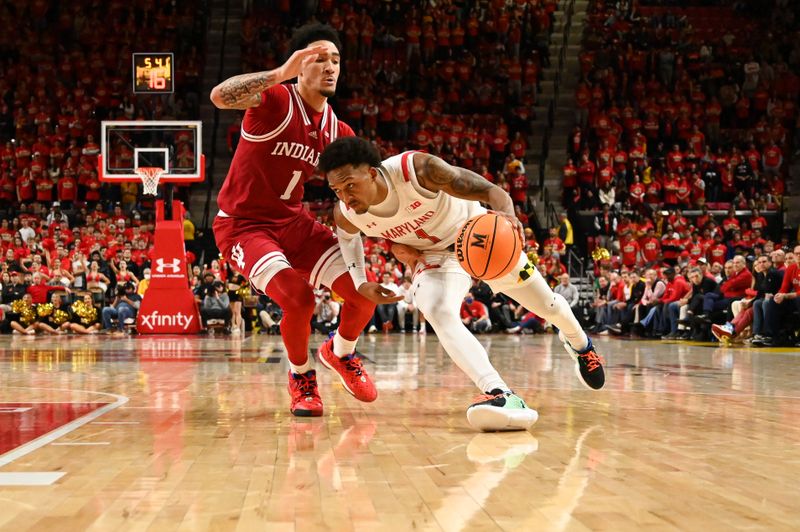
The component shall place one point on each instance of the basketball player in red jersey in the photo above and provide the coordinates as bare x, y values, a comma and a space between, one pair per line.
262, 227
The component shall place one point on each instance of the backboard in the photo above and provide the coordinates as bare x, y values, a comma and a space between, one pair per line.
176, 146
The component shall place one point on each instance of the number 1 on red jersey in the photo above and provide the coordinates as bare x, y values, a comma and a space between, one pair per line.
296, 175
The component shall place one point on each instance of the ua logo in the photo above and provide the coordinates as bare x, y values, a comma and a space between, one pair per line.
237, 255
313, 134
174, 266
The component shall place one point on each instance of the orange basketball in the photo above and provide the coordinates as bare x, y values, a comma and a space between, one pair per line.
488, 246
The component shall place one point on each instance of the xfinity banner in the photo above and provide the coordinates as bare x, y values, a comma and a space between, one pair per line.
168, 306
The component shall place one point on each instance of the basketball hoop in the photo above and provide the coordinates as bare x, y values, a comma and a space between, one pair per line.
150, 176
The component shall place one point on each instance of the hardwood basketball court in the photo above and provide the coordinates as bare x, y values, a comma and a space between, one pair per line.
190, 433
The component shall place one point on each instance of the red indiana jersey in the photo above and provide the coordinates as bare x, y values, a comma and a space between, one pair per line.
278, 152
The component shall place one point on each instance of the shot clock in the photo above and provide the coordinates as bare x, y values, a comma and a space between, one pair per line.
153, 73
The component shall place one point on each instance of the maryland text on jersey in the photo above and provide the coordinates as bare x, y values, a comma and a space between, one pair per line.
407, 228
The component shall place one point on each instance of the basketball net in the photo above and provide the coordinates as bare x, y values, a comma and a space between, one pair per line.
150, 176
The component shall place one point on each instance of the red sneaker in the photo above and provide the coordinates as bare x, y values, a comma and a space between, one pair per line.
351, 372
306, 401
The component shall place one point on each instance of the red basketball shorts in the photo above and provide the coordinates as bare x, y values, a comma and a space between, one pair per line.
260, 250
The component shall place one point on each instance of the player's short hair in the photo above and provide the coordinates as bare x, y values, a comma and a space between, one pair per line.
348, 150
309, 33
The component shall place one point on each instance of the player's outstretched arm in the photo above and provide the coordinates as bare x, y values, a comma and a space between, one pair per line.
437, 175
244, 91
353, 255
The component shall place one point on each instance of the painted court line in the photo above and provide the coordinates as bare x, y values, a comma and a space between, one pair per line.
115, 423
66, 443
30, 478
63, 430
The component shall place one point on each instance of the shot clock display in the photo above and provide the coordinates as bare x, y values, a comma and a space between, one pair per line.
153, 73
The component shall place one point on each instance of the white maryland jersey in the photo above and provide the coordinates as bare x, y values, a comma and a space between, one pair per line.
416, 216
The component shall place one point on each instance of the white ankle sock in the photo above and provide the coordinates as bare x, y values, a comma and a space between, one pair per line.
299, 370
343, 347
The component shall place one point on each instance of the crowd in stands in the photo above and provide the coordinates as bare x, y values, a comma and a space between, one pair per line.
457, 79
60, 76
751, 300
683, 107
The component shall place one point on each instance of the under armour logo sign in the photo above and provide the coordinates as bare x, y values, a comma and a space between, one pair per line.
313, 134
371, 225
174, 266
237, 255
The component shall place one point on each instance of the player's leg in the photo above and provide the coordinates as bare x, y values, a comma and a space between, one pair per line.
438, 294
321, 257
253, 250
526, 286
338, 352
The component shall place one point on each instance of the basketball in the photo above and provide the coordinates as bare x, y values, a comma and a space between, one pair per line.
488, 246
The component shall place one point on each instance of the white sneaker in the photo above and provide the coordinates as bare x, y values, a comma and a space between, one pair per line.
500, 411
234, 330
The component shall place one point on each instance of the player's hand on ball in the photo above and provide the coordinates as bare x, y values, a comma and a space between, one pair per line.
299, 60
407, 255
514, 222
378, 294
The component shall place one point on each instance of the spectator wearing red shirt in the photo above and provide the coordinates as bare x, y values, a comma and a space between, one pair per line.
653, 192
683, 193
651, 248
777, 308
671, 191
40, 291
474, 314
636, 192
772, 159
570, 180
25, 188
731, 289
677, 288
730, 223
670, 247
44, 190
675, 158
757, 221
696, 247
555, 243
8, 190
629, 248
678, 221
519, 187
67, 191
586, 173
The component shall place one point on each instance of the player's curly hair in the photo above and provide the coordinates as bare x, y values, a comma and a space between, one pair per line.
348, 150
305, 35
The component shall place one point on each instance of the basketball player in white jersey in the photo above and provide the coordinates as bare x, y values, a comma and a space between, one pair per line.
419, 202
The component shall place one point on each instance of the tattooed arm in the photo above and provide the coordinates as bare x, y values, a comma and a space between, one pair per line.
244, 91
437, 175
